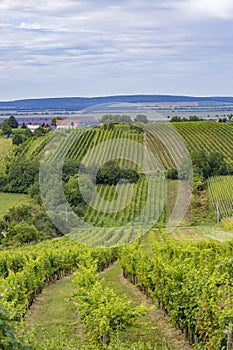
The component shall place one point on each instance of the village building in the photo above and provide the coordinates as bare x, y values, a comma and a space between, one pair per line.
33, 127
67, 124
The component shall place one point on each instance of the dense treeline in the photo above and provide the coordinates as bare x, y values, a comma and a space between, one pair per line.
24, 224
191, 118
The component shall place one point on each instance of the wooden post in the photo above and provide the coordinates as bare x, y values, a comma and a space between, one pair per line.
217, 212
229, 336
66, 214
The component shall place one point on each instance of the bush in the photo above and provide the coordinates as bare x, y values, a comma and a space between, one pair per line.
172, 174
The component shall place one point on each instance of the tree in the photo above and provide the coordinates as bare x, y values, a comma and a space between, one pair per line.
200, 163
75, 187
209, 165
6, 129
28, 133
129, 175
175, 119
21, 175
194, 118
18, 214
108, 174
116, 119
17, 139
111, 174
217, 164
24, 126
230, 116
22, 233
54, 120
140, 118
70, 168
13, 122
39, 131
172, 174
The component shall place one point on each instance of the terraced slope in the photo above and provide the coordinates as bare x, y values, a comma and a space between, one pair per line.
208, 136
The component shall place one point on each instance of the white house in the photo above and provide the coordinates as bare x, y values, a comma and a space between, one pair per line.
67, 124
33, 127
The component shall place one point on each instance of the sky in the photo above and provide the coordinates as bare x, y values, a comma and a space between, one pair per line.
59, 48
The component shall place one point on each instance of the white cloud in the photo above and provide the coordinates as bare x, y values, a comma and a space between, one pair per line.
207, 8
112, 42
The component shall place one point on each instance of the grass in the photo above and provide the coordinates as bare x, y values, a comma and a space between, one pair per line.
153, 328
52, 321
8, 200
216, 232
190, 233
5, 145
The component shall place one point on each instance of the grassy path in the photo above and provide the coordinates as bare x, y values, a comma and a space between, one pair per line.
52, 318
153, 327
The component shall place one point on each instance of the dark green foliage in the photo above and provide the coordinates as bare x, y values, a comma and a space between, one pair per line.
136, 128
70, 168
8, 337
18, 214
22, 233
140, 118
13, 122
172, 174
191, 118
20, 175
39, 131
116, 119
207, 165
17, 139
194, 118
26, 223
175, 119
110, 174
6, 129
28, 133
109, 126
128, 175
75, 187
54, 120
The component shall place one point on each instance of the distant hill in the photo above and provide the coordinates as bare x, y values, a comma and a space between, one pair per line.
79, 103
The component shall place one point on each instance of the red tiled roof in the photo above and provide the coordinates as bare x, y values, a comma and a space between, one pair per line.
67, 121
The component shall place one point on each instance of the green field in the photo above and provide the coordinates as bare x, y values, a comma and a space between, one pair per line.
8, 200
220, 189
207, 136
187, 271
5, 145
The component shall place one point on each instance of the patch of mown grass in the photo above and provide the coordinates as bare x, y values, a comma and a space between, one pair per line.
153, 328
52, 320
8, 200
